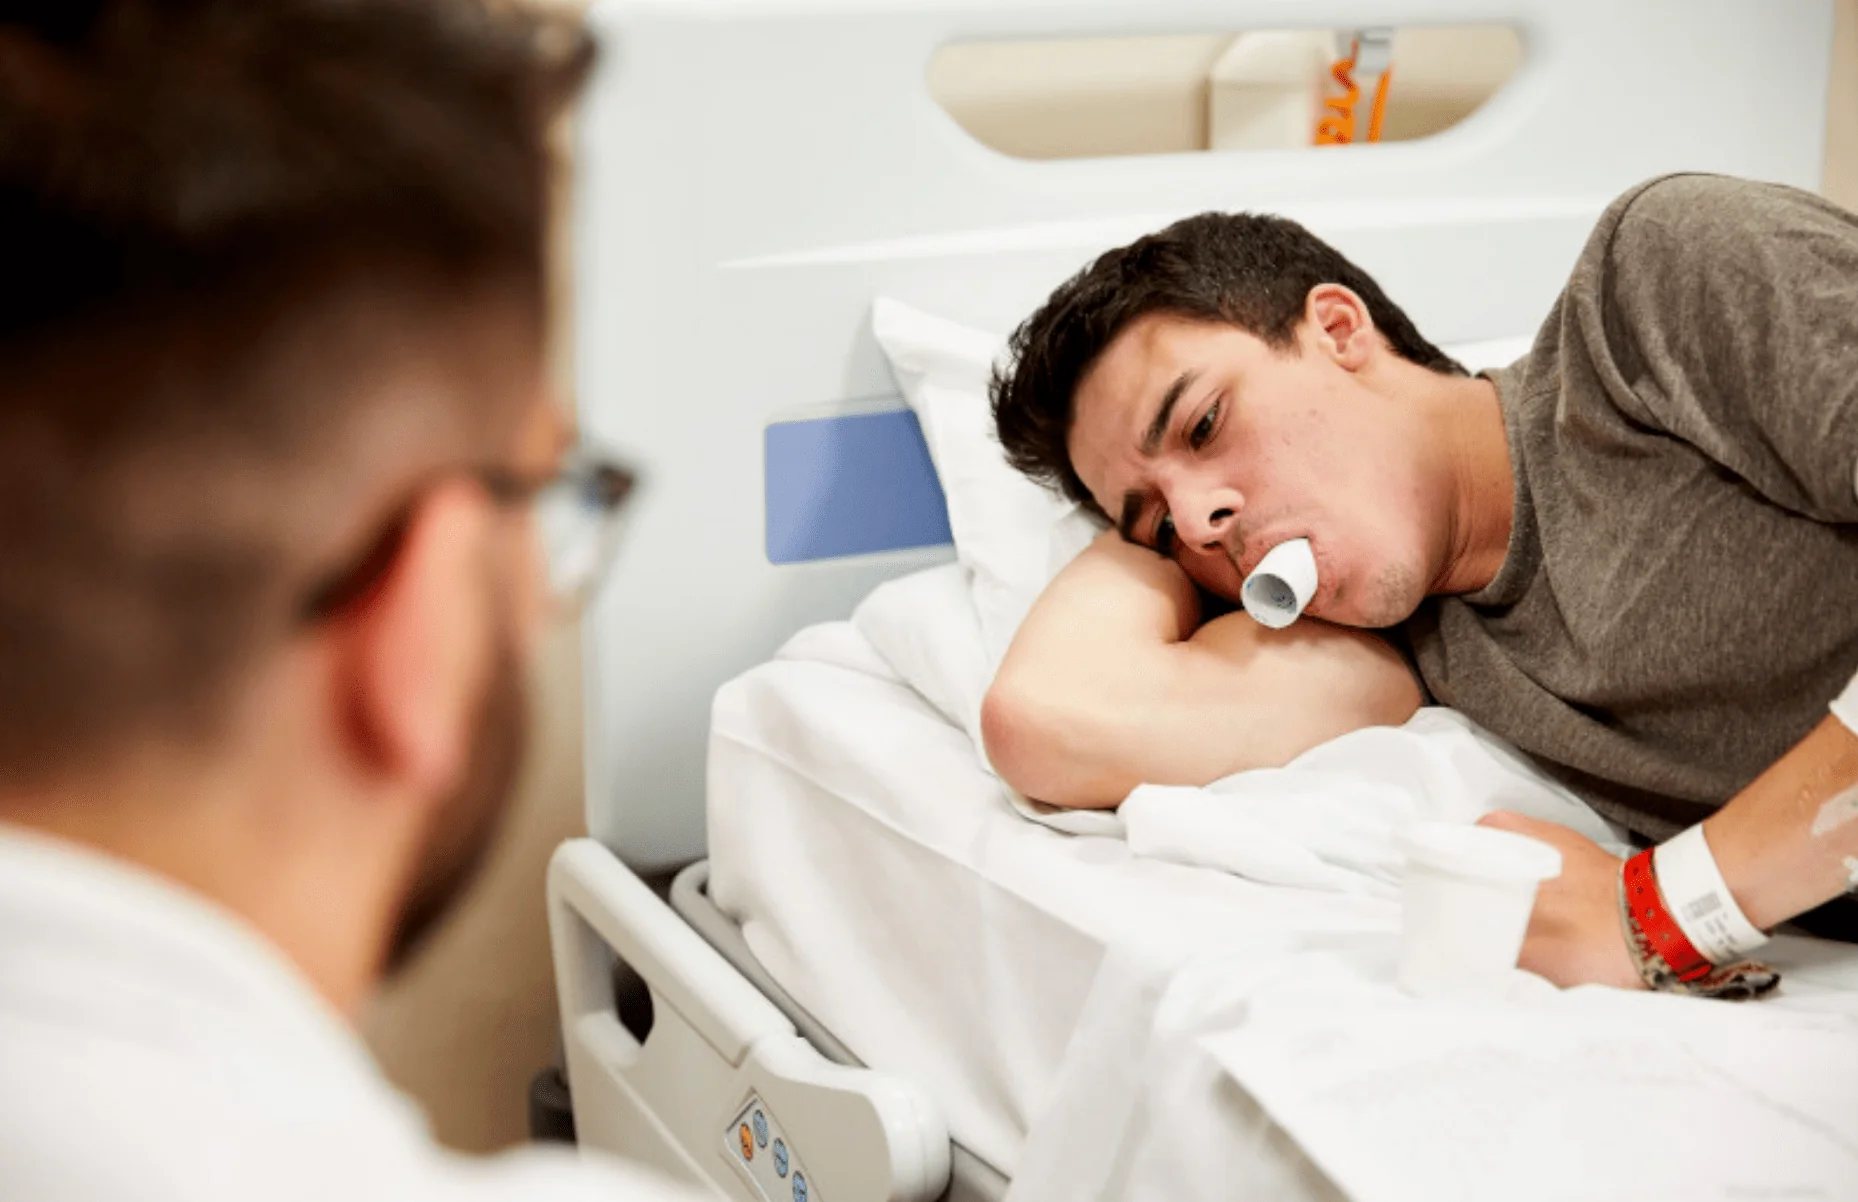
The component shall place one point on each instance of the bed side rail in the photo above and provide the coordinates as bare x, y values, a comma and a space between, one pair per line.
703, 1078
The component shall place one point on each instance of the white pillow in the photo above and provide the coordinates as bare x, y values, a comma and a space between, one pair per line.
1012, 535
924, 626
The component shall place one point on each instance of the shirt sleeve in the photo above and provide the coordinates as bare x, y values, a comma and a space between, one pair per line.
1731, 310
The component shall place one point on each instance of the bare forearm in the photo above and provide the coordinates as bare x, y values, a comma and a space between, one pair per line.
1097, 631
1789, 841
1783, 845
1236, 696
1108, 686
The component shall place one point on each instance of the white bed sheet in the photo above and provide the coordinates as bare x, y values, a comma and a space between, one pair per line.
1019, 973
880, 874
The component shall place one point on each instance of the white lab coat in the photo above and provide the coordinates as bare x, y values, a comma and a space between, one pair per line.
155, 1048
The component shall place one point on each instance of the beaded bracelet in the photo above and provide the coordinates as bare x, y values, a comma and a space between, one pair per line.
1664, 957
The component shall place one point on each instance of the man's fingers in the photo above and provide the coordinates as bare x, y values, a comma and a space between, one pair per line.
1551, 833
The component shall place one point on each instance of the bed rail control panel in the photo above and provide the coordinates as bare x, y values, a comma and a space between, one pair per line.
760, 1150
666, 1091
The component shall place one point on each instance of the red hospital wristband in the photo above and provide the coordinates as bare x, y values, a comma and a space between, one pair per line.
1657, 925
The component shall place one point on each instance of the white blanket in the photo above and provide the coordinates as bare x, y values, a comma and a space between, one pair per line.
1368, 1094
1236, 1040
1332, 817
1300, 1039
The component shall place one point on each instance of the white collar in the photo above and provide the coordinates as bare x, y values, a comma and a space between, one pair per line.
95, 941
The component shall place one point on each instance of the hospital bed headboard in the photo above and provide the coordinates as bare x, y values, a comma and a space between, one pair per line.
751, 173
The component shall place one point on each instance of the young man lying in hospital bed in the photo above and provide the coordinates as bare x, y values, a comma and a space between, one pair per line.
1633, 553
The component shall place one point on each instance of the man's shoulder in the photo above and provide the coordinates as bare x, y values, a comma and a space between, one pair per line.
99, 1158
1698, 218
542, 1174
89, 1113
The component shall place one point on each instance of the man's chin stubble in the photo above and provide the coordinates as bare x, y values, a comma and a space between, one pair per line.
1397, 593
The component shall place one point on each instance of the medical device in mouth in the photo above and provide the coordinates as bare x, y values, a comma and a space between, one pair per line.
1281, 585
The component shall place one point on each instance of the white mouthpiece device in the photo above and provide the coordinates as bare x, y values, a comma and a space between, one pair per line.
1281, 585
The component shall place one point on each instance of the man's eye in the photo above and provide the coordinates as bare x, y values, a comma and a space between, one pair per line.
1164, 537
1203, 429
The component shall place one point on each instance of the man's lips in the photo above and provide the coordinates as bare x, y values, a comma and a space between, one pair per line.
1247, 562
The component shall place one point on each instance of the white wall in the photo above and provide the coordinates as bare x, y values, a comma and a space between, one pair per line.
466, 1028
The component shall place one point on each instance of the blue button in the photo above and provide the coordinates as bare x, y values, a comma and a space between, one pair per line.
780, 1158
799, 1187
761, 1129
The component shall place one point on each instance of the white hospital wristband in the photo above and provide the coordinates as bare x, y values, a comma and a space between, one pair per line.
1845, 706
1699, 899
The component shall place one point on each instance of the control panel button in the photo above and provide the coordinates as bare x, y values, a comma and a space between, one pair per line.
773, 1168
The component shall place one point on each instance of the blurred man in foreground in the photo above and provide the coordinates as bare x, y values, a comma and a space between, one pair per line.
274, 433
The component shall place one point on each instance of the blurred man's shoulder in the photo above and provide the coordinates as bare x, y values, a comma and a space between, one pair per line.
89, 1120
557, 1174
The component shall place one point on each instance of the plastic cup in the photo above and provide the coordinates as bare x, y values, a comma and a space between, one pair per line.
1281, 585
1468, 894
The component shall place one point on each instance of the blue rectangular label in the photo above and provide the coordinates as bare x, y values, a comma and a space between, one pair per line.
851, 485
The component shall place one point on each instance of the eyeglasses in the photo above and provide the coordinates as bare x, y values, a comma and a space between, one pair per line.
577, 515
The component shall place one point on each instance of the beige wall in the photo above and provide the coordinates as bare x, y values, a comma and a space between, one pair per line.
1091, 97
474, 1018
1079, 98
1841, 182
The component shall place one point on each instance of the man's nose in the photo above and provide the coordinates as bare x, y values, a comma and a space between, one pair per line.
1203, 516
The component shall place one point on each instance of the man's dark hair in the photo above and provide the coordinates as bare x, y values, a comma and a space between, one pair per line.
216, 218
1243, 269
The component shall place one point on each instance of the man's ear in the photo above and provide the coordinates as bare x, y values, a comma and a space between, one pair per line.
415, 652
1338, 321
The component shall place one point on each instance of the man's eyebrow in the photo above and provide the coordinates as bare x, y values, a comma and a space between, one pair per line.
1151, 438
1151, 442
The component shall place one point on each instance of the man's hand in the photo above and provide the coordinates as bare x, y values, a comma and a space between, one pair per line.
1574, 933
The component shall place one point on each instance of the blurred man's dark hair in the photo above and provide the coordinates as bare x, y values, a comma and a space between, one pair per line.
1243, 269
218, 219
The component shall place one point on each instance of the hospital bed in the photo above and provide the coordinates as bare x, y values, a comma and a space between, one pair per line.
751, 174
